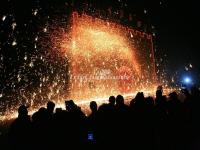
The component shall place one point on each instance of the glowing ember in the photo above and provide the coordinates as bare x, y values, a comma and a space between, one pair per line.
105, 59
84, 104
89, 60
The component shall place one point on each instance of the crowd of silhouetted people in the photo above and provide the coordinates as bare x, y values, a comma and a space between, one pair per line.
160, 123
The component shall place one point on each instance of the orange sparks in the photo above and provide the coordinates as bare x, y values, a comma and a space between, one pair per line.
100, 59
105, 59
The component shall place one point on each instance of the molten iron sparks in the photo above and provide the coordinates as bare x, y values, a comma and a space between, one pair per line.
104, 60
85, 103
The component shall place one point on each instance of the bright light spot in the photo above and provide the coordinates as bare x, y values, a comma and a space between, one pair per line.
14, 25
14, 43
187, 80
45, 29
35, 12
186, 68
31, 64
25, 57
36, 38
3, 18
172, 79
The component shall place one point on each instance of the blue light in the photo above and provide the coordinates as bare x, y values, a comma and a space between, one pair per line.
187, 80
90, 136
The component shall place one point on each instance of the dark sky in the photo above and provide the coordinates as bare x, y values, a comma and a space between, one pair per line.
178, 32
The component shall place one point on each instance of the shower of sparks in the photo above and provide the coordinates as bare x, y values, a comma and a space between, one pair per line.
104, 59
86, 59
85, 104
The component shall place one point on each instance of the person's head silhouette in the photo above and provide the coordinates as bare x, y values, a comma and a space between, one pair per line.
159, 93
119, 100
93, 106
173, 96
22, 111
112, 100
50, 106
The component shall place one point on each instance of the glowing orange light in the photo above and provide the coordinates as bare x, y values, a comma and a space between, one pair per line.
103, 61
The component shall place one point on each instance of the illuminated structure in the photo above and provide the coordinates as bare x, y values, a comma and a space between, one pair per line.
107, 59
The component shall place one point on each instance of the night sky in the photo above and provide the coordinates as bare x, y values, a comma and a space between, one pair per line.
178, 35
25, 23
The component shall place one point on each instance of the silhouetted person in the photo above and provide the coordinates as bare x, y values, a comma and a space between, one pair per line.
119, 101
106, 123
92, 125
160, 99
20, 130
167, 124
93, 107
112, 101
49, 125
50, 107
175, 121
122, 125
41, 127
77, 130
111, 110
149, 124
174, 106
92, 118
161, 126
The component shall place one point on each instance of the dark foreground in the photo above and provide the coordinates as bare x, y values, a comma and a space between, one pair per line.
152, 124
